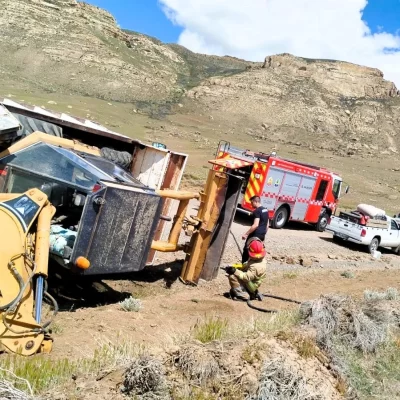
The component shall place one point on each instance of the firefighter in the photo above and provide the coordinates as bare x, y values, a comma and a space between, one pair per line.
248, 277
259, 227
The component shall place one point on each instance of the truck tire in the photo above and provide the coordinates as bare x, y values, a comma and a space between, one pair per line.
373, 246
322, 222
121, 158
281, 216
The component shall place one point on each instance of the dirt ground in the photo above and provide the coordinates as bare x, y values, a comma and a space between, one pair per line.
302, 264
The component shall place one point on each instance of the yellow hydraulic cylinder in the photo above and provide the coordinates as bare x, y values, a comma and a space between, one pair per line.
43, 239
173, 238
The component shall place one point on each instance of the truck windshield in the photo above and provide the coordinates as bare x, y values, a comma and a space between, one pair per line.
337, 185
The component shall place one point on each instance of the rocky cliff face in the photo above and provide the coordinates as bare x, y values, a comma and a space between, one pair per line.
339, 77
75, 47
71, 46
331, 105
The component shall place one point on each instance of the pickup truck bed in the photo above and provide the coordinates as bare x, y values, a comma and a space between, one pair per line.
377, 233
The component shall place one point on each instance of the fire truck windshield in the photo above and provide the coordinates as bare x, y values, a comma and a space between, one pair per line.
337, 185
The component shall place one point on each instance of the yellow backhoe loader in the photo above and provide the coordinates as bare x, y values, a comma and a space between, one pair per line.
24, 255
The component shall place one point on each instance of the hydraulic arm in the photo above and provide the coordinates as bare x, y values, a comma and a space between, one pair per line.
24, 254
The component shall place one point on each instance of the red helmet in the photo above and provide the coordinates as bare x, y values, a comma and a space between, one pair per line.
256, 249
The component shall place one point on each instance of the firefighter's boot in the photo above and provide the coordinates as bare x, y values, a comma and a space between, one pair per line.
256, 296
239, 294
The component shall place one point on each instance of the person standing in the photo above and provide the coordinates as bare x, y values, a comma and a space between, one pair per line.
259, 227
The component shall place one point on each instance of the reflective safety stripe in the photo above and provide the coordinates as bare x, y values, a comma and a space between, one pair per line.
293, 199
257, 178
221, 155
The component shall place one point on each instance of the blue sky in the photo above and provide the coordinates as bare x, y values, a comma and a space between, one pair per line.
253, 29
146, 16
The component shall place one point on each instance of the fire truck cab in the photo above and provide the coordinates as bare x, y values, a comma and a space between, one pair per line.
290, 190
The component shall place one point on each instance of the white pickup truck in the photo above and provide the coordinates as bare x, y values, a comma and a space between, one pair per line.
382, 232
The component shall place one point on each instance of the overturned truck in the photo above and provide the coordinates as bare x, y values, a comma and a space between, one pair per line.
96, 203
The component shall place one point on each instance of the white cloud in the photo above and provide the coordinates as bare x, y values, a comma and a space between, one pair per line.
253, 29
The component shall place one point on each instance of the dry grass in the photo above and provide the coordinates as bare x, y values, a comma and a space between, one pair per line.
290, 275
8, 391
279, 381
213, 328
306, 347
56, 328
282, 321
347, 274
145, 377
340, 317
44, 374
253, 353
359, 340
196, 363
217, 391
372, 376
389, 294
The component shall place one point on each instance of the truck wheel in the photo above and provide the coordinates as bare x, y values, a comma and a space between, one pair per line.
373, 246
280, 218
322, 222
121, 158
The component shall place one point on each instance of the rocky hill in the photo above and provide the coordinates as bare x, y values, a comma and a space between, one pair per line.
75, 47
321, 104
69, 47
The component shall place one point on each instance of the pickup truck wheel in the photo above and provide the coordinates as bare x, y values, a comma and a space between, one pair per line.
280, 218
322, 222
373, 246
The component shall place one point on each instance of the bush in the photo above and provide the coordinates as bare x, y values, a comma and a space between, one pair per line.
131, 305
338, 317
389, 294
146, 377
279, 381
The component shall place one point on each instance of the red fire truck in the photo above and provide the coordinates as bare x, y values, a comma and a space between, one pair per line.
290, 190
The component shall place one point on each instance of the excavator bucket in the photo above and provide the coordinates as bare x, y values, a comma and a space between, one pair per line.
217, 209
226, 201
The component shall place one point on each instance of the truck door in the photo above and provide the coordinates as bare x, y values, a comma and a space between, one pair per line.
272, 188
314, 209
393, 234
303, 198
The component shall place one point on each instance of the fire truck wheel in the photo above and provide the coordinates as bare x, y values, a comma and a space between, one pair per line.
280, 218
322, 222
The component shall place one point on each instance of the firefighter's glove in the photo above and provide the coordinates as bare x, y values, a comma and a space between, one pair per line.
230, 270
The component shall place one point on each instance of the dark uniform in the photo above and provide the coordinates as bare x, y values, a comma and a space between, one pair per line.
261, 213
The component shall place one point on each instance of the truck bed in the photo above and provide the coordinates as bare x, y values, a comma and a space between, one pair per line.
347, 227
